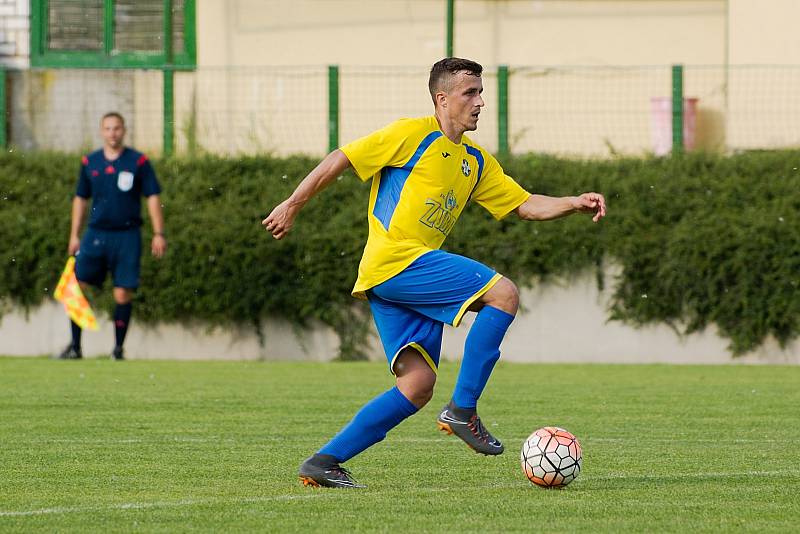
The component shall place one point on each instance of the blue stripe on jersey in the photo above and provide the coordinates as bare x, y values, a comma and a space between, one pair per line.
472, 151
393, 179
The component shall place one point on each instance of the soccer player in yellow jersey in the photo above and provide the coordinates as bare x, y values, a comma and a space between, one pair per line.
424, 172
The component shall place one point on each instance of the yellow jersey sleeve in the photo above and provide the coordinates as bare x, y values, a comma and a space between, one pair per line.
390, 146
496, 191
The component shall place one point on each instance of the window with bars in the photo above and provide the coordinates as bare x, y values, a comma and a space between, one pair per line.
116, 33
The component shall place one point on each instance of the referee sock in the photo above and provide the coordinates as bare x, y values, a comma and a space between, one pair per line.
76, 335
481, 352
370, 425
122, 318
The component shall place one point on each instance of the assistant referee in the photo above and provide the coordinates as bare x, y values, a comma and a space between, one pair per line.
115, 177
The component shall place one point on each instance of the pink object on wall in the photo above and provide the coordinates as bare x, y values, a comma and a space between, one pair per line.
661, 124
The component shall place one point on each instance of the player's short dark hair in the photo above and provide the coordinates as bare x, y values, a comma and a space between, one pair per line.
113, 114
444, 70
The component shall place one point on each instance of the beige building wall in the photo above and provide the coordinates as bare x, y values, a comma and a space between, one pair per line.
764, 32
577, 32
584, 73
411, 32
319, 32
763, 104
553, 110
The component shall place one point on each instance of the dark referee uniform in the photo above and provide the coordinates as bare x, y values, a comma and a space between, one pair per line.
113, 240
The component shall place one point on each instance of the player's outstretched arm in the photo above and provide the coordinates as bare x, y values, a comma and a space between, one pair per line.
544, 208
281, 219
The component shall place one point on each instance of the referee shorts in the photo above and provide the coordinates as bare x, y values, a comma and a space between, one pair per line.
117, 251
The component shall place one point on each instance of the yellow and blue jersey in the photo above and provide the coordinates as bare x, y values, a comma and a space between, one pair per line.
421, 182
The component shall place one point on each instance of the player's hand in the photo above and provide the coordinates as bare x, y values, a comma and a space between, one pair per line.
74, 246
591, 203
158, 246
281, 220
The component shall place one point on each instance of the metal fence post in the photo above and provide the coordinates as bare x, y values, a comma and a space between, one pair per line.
502, 109
169, 82
677, 109
169, 110
3, 117
450, 16
333, 107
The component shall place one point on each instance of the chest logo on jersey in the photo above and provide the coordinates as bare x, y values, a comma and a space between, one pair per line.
125, 180
465, 168
439, 213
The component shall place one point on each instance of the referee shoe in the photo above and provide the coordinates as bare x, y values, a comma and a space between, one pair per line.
469, 428
70, 353
324, 470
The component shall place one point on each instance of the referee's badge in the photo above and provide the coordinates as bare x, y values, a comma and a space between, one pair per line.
125, 180
465, 167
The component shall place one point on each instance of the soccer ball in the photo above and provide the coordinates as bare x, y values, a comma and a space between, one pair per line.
551, 457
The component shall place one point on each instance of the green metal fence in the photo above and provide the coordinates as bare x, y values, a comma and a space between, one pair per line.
571, 111
333, 107
677, 108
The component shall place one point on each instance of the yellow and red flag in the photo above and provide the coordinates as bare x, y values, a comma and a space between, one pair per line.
69, 293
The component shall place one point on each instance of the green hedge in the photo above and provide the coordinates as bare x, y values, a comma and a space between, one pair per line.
700, 239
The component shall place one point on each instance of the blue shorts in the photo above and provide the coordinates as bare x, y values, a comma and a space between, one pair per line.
117, 251
410, 308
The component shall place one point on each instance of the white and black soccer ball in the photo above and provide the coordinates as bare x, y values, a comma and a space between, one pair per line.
551, 457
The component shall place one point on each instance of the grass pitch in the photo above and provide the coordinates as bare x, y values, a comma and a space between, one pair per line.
214, 446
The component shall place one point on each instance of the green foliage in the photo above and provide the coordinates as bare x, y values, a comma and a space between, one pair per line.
700, 239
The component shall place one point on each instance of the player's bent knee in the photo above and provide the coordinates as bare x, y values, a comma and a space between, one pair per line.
415, 378
422, 398
418, 393
504, 295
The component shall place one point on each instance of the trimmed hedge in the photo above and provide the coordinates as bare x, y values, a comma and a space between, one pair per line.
700, 239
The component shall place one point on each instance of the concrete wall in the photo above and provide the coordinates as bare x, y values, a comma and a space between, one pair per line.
14, 33
61, 109
559, 323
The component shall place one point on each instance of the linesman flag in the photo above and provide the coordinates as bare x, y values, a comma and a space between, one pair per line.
69, 293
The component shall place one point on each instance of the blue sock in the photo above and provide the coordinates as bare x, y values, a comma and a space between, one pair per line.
481, 352
370, 425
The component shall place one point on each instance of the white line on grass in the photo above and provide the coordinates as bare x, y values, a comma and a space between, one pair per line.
147, 505
166, 439
697, 476
682, 439
196, 502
